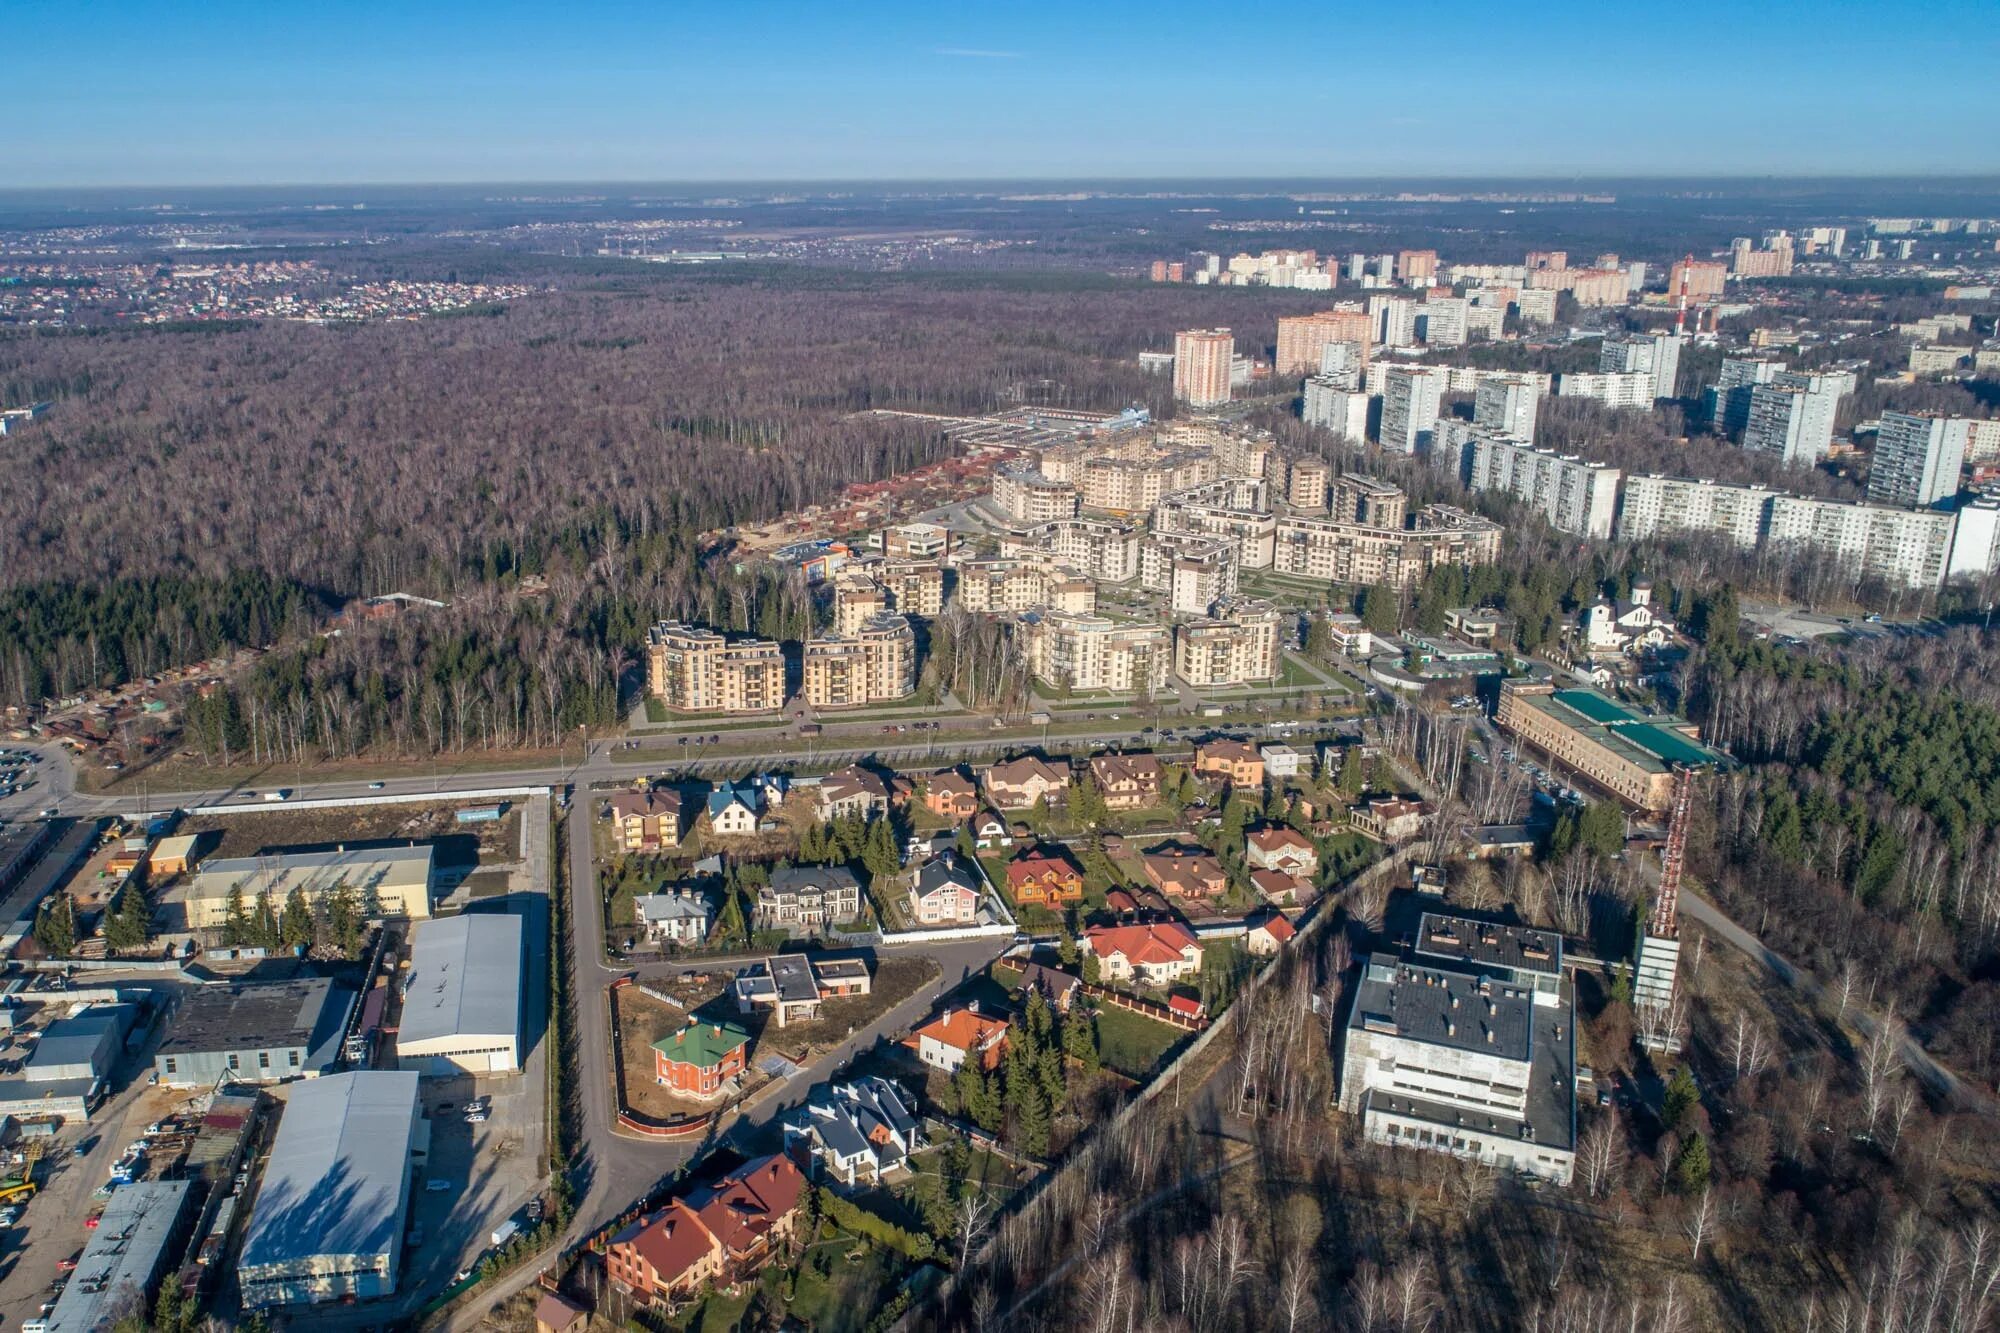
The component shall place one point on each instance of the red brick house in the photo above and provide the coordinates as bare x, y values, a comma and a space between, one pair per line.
701, 1058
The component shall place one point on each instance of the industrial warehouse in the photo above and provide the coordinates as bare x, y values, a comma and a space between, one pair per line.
386, 881
462, 1000
255, 1032
328, 1218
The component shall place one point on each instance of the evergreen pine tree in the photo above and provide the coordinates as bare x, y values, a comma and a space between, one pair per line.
295, 925
264, 928
235, 921
1080, 1040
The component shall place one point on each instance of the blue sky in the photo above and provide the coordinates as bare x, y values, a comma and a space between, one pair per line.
109, 92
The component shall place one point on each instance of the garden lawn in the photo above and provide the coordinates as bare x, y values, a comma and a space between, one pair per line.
1131, 1044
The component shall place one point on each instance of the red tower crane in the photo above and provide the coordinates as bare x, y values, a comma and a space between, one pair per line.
1666, 911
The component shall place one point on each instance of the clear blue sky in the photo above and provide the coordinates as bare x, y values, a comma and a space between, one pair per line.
105, 92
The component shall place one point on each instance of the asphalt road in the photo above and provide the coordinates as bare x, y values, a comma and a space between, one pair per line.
1946, 1083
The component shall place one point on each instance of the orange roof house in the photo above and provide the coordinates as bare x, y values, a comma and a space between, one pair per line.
951, 795
723, 1234
958, 1035
1154, 954
1044, 878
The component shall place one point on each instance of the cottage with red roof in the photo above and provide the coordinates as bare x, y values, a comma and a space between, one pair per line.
720, 1235
1268, 934
1153, 955
1044, 878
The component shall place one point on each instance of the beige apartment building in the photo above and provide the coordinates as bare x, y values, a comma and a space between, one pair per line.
857, 599
1202, 359
693, 670
1027, 496
1306, 483
1326, 550
1093, 652
1238, 645
1302, 338
992, 586
1134, 485
877, 662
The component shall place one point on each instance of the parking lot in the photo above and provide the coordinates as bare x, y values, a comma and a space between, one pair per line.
493, 1169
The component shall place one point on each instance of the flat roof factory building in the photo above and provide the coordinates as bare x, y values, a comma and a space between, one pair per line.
329, 1214
138, 1234
386, 881
462, 1005
254, 1032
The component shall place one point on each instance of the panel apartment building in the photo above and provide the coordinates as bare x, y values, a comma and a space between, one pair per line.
1202, 360
1574, 495
1303, 338
1917, 458
693, 670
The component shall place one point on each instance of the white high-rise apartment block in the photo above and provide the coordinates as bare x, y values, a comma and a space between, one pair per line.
1795, 425
1658, 354
1575, 496
1657, 506
1975, 541
1442, 322
1342, 410
1900, 547
1507, 404
1202, 362
1343, 363
1617, 389
1411, 399
1396, 320
1729, 400
1917, 459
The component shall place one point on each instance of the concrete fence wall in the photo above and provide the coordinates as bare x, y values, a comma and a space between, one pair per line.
340, 802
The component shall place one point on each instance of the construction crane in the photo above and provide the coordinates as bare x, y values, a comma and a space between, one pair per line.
1656, 982
1666, 911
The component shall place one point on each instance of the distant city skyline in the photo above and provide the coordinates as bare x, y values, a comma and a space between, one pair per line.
132, 92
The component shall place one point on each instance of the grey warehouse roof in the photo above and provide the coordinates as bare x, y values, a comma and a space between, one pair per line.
339, 1172
124, 1251
251, 1015
465, 977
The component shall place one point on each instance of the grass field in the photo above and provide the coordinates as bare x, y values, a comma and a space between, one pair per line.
1132, 1045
